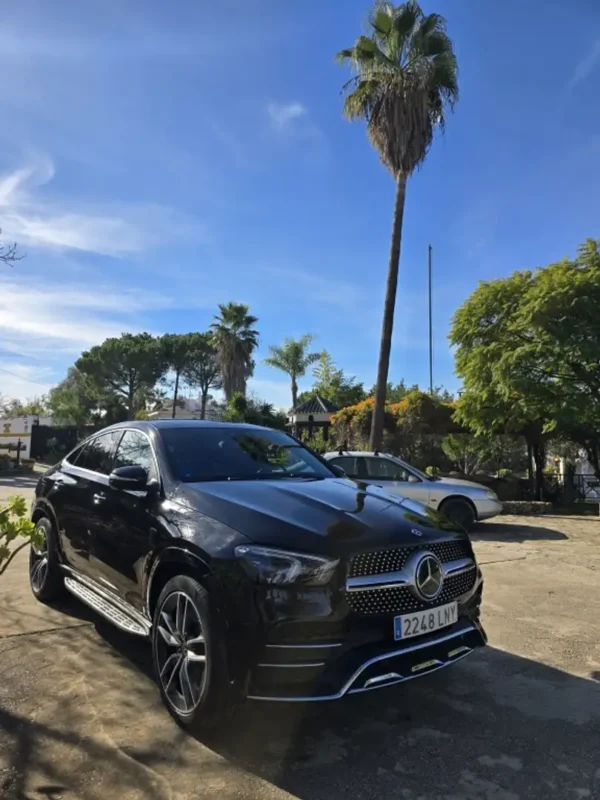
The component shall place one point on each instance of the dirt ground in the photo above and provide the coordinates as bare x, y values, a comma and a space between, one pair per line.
80, 716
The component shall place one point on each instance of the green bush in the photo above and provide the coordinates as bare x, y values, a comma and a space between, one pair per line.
432, 471
15, 524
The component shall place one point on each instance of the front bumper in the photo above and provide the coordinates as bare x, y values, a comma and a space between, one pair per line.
488, 508
353, 673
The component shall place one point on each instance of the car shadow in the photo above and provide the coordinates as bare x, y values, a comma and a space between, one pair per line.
498, 724
514, 532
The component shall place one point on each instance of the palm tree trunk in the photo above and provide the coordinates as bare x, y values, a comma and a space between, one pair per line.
175, 393
388, 316
294, 393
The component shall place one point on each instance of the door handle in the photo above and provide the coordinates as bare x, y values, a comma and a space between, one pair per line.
99, 498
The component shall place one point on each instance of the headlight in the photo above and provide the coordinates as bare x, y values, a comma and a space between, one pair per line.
490, 495
280, 567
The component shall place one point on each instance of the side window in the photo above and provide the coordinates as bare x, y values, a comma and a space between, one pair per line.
74, 454
350, 465
97, 455
135, 450
382, 469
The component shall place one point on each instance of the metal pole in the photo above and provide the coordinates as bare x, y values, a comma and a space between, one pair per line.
430, 331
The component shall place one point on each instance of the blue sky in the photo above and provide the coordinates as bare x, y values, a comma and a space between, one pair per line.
159, 158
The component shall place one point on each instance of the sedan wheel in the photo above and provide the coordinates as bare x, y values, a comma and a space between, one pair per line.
460, 513
181, 655
38, 561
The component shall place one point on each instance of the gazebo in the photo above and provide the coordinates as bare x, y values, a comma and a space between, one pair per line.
312, 415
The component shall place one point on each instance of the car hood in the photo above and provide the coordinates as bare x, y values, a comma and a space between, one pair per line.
460, 482
333, 516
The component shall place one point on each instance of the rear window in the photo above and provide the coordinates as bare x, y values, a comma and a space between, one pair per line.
213, 454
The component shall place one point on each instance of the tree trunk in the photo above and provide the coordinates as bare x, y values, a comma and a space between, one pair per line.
131, 402
203, 399
539, 456
175, 393
530, 468
388, 317
294, 393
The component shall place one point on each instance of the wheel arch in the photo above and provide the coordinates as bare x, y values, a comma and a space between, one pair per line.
167, 564
462, 498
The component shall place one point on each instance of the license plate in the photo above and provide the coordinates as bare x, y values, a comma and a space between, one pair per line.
420, 622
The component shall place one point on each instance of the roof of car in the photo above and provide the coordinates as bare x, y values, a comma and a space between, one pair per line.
353, 453
182, 423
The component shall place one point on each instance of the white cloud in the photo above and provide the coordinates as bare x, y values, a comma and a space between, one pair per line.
21, 380
586, 65
283, 115
119, 230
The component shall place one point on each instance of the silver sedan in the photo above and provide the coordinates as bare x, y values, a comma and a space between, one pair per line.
463, 502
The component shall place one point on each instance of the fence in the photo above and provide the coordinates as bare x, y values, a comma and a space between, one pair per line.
51, 444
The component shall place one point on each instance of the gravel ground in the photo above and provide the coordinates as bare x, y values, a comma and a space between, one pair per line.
80, 716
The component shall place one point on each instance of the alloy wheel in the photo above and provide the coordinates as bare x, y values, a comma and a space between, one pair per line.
181, 653
38, 561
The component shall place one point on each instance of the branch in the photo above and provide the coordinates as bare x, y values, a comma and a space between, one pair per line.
9, 254
6, 564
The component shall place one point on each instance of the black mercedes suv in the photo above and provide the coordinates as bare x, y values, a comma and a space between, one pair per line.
255, 568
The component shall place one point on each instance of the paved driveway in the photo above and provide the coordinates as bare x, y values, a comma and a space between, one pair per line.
80, 715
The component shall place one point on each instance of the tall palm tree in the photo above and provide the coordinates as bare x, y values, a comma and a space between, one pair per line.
406, 78
294, 359
234, 340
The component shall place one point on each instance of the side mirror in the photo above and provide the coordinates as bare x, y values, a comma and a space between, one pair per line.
129, 478
338, 470
413, 479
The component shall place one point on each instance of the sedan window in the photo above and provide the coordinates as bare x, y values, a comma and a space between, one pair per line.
135, 450
383, 469
97, 455
217, 454
350, 465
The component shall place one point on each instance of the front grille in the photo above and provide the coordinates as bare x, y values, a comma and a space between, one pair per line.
379, 561
400, 600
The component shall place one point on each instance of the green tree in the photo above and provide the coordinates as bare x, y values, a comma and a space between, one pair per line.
331, 383
125, 368
406, 78
202, 371
294, 359
74, 401
176, 349
23, 408
469, 453
235, 340
254, 411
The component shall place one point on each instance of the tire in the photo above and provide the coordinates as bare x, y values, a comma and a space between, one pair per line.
45, 574
193, 678
460, 513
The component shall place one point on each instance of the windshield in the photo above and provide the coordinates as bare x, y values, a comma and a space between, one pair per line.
243, 454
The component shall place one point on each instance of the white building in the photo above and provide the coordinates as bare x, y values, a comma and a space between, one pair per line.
18, 429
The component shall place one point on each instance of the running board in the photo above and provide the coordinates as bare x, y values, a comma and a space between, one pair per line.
106, 608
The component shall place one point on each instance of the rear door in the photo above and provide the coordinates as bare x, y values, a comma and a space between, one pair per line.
394, 477
127, 529
83, 477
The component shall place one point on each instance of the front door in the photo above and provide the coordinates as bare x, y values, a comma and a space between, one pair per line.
126, 532
394, 477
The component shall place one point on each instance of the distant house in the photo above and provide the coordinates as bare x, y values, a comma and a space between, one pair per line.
312, 415
190, 409
18, 429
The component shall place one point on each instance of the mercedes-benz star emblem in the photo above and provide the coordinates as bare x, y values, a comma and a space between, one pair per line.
416, 532
429, 577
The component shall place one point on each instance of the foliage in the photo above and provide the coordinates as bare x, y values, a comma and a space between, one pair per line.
254, 411
405, 78
125, 369
332, 384
294, 359
176, 353
75, 401
15, 524
202, 371
528, 349
235, 340
19, 408
469, 454
318, 442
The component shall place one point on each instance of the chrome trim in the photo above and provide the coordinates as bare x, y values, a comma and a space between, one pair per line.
305, 646
405, 576
381, 678
346, 687
120, 605
294, 666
